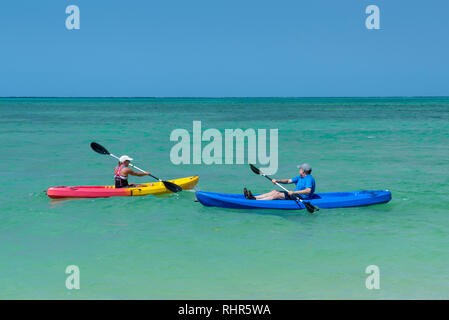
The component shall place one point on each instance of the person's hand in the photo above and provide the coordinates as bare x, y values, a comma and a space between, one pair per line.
274, 181
147, 173
290, 193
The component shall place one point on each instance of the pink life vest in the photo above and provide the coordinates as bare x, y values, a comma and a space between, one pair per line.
118, 177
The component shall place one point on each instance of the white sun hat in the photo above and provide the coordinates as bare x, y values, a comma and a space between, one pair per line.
124, 158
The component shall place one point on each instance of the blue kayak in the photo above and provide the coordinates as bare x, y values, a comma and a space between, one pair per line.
321, 200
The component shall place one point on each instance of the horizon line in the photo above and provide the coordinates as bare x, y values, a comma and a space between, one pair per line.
207, 97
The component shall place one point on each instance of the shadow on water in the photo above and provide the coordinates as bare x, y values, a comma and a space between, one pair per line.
59, 202
293, 215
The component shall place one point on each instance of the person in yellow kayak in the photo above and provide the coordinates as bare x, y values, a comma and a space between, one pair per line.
122, 171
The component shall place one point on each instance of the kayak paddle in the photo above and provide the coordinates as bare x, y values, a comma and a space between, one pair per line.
102, 150
308, 206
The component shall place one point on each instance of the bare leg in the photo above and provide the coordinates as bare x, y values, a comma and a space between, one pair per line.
265, 195
273, 195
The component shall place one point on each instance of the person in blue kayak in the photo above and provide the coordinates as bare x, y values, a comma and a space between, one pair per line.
122, 171
305, 187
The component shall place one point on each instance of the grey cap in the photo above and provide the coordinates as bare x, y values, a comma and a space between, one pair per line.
305, 166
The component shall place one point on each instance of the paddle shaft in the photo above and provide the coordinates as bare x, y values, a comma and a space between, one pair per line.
264, 175
114, 156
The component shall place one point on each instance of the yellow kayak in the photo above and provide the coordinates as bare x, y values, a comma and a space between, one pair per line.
110, 191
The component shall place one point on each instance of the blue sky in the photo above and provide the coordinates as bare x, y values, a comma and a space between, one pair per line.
212, 48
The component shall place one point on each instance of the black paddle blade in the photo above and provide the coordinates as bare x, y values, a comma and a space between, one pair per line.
99, 148
310, 207
171, 186
254, 169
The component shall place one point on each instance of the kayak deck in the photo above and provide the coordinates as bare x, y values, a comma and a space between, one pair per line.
321, 200
144, 189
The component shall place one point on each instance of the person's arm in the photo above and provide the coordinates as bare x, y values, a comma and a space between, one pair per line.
305, 191
137, 174
283, 181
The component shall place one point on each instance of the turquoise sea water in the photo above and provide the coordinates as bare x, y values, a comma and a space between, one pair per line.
171, 247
